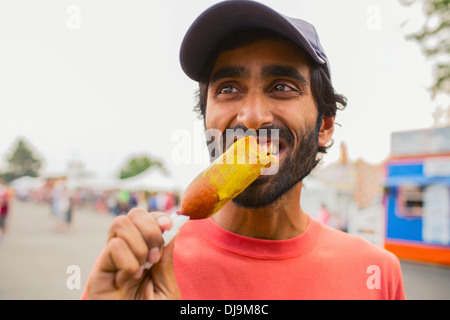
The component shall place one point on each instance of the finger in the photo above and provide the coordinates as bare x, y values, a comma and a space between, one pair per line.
124, 228
165, 263
149, 226
122, 260
163, 220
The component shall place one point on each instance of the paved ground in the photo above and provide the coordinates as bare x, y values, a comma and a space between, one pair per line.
35, 255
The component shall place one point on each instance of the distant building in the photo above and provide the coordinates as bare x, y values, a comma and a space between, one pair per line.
352, 192
417, 192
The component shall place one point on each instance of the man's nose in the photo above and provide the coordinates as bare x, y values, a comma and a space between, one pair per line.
255, 112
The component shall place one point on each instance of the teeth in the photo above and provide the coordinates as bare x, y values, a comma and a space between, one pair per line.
263, 148
274, 148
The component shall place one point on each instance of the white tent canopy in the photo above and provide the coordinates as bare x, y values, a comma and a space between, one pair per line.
96, 183
152, 179
27, 183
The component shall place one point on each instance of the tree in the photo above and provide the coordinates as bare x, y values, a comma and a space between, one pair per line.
139, 164
434, 39
22, 162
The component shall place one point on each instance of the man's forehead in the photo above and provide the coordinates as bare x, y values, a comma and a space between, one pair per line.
265, 54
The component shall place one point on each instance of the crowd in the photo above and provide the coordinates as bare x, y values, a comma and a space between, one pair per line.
63, 200
120, 202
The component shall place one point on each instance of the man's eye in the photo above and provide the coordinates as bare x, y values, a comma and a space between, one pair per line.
228, 90
282, 88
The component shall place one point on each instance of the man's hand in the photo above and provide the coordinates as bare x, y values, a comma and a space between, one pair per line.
133, 240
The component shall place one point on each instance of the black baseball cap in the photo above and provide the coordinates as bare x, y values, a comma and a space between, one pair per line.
230, 16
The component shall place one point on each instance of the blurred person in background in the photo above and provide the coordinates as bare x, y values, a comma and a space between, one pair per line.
62, 205
133, 201
4, 209
141, 200
123, 200
152, 202
111, 202
324, 215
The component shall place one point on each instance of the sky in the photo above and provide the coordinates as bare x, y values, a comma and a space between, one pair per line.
100, 81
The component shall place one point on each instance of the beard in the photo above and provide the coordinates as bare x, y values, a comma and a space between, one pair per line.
297, 164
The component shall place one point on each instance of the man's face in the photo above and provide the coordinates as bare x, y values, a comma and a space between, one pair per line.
265, 85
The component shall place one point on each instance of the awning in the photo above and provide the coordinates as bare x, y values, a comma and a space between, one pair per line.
415, 180
153, 179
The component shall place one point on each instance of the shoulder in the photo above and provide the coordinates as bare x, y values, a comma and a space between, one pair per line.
362, 261
353, 247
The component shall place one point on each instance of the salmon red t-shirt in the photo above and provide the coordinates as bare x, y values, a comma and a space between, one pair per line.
321, 263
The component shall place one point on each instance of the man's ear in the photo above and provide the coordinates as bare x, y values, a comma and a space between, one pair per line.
326, 130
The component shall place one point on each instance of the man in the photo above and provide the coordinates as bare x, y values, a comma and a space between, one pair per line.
257, 69
4, 208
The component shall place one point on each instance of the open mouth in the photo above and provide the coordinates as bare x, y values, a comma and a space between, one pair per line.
275, 147
271, 145
267, 146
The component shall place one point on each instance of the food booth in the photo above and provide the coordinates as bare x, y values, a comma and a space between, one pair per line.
417, 196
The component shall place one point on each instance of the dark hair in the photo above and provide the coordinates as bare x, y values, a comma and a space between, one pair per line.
328, 101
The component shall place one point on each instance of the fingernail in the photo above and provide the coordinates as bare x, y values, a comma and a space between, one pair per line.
164, 221
154, 255
139, 273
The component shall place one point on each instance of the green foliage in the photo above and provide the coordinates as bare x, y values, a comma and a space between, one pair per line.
22, 162
137, 165
434, 39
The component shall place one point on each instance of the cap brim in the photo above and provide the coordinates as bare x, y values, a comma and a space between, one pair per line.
228, 17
